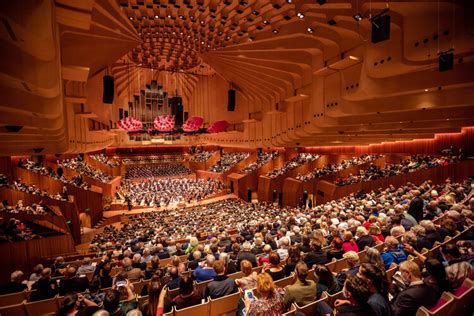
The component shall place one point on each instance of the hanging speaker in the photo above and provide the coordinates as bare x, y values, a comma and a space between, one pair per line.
380, 28
231, 100
249, 195
446, 62
108, 96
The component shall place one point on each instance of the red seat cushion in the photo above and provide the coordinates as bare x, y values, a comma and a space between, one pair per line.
438, 305
461, 290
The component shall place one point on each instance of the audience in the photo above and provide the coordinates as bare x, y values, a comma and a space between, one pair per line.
294, 163
270, 300
105, 160
228, 160
262, 158
336, 167
157, 170
202, 155
77, 164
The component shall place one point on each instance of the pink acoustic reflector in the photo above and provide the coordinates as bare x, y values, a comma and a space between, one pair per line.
192, 124
130, 124
218, 126
164, 123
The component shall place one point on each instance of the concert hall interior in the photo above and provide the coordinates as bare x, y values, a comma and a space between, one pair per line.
237, 157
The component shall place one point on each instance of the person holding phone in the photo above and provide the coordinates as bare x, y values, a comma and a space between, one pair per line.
270, 301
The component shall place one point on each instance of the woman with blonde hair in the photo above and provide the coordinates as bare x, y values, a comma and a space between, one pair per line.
318, 235
270, 301
372, 256
249, 280
349, 242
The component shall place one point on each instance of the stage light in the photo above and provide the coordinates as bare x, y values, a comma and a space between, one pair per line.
275, 31
358, 17
310, 30
300, 15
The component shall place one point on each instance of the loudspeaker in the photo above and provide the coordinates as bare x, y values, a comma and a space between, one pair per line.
177, 110
380, 28
231, 100
445, 62
108, 96
13, 128
249, 195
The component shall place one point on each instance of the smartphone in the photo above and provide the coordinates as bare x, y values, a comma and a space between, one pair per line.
121, 283
249, 294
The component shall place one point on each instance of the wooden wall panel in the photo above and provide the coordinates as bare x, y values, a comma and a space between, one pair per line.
24, 255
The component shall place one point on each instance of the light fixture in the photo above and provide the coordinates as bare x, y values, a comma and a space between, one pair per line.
131, 18
157, 16
358, 17
266, 22
426, 90
310, 30
289, 1
169, 16
255, 12
300, 15
275, 31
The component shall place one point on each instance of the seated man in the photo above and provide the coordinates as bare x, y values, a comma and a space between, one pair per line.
222, 285
205, 270
417, 294
303, 291
72, 283
394, 253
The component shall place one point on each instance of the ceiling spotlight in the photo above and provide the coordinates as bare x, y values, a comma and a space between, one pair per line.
169, 16
131, 18
255, 12
300, 15
275, 31
310, 30
426, 90
289, 1
358, 17
202, 22
227, 38
157, 16
266, 22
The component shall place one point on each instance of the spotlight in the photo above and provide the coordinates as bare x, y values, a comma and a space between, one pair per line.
289, 1
266, 22
310, 30
275, 31
300, 15
358, 17
255, 12
157, 16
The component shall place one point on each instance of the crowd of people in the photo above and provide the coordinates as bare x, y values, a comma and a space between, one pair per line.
20, 208
294, 163
335, 167
163, 192
78, 164
228, 160
13, 229
37, 167
145, 160
106, 160
416, 162
262, 158
157, 170
30, 189
284, 241
202, 155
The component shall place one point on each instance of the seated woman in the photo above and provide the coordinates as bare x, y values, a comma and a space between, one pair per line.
188, 294
275, 270
249, 280
325, 281
270, 301
294, 255
336, 250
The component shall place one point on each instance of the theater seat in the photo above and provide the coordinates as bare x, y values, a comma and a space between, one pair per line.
334, 297
442, 307
201, 309
310, 309
42, 307
12, 299
13, 310
291, 311
463, 298
226, 305
285, 281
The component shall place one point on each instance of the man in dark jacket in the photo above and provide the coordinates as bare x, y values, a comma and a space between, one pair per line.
364, 239
416, 206
72, 283
247, 254
222, 285
418, 294
316, 255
